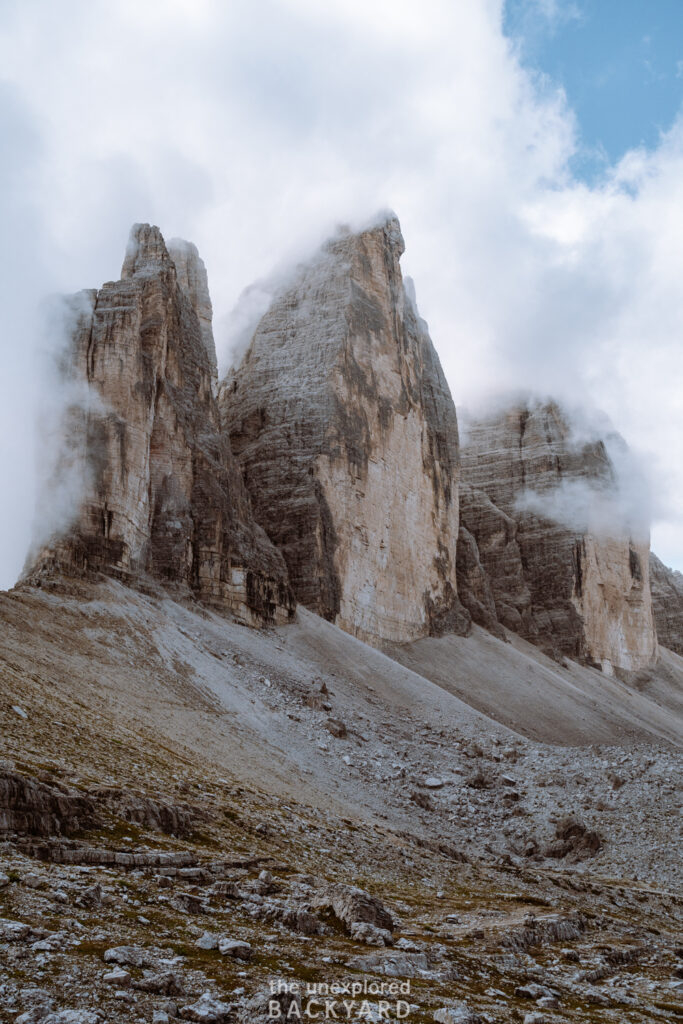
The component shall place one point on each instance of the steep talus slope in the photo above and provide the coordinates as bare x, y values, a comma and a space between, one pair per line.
343, 423
252, 700
566, 568
517, 685
307, 765
666, 587
163, 493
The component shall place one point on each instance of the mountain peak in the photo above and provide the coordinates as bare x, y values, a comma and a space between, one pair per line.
146, 252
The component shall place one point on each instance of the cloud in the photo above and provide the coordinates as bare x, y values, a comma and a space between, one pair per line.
253, 127
66, 402
20, 266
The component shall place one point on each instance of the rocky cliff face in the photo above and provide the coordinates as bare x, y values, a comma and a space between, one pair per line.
491, 579
564, 570
164, 494
666, 586
346, 431
193, 280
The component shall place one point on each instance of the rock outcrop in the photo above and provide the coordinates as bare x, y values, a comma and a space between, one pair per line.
491, 580
341, 418
163, 492
666, 586
566, 568
28, 805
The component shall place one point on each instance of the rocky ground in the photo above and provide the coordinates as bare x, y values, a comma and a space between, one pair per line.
193, 813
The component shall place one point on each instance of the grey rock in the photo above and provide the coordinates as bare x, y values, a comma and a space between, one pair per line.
235, 948
13, 931
28, 805
393, 965
352, 905
193, 280
342, 420
567, 564
73, 1017
163, 983
461, 1014
117, 977
207, 1010
165, 496
133, 956
361, 931
666, 586
143, 810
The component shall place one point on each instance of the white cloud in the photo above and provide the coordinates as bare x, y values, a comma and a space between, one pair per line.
252, 127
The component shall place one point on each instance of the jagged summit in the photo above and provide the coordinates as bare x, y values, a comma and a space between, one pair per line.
342, 420
146, 252
162, 492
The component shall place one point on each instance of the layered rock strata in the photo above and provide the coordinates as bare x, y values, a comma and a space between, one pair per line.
491, 580
163, 493
666, 586
193, 280
341, 418
566, 569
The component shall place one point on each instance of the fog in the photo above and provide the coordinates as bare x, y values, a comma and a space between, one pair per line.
252, 129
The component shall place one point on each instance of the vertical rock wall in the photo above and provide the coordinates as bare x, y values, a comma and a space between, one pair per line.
667, 601
575, 577
164, 494
342, 420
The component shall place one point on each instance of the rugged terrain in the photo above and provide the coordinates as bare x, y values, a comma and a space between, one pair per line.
218, 806
175, 785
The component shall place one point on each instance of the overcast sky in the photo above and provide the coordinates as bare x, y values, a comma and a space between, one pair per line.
546, 252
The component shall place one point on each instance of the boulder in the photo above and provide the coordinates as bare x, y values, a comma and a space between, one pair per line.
352, 906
